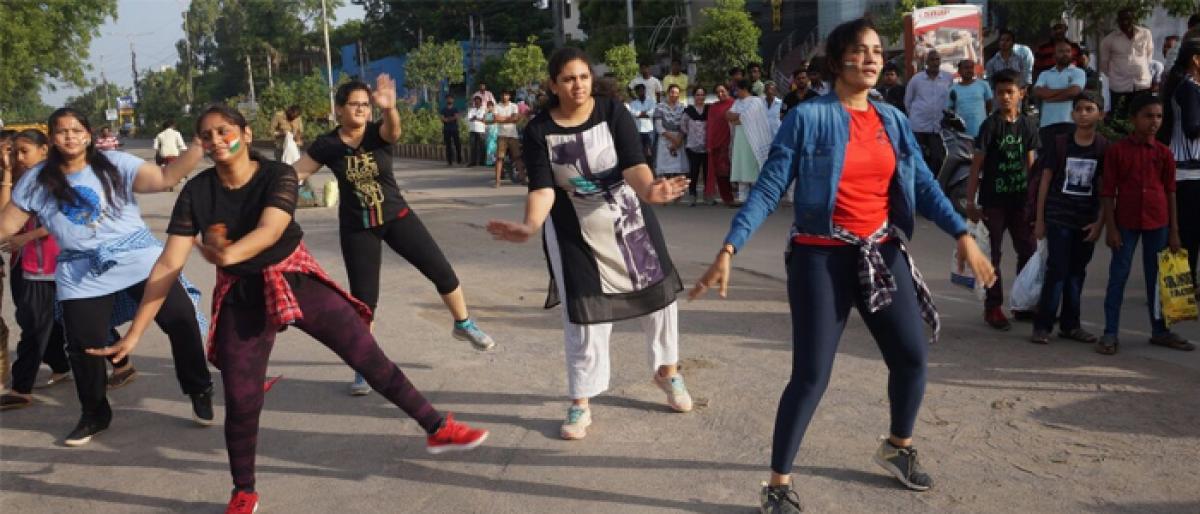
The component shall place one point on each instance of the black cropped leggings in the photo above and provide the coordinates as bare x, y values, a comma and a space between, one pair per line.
361, 251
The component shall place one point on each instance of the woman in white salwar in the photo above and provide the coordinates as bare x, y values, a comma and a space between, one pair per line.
671, 159
751, 139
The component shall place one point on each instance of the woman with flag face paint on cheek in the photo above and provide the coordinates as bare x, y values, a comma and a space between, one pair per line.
85, 199
267, 280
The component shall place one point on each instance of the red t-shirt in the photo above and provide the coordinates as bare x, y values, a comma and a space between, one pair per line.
1139, 174
861, 205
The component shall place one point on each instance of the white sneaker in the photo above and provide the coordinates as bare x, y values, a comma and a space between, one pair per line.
575, 427
677, 393
359, 387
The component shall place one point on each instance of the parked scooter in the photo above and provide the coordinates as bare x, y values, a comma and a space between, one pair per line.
956, 168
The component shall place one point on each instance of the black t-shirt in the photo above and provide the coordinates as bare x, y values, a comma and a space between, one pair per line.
449, 126
1073, 199
893, 95
1004, 177
370, 196
793, 99
618, 138
205, 202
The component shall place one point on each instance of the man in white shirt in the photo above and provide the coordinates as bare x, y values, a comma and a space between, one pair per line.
654, 87
483, 93
924, 99
508, 142
1057, 88
168, 144
476, 129
1125, 56
642, 107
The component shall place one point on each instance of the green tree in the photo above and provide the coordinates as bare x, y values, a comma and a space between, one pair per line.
308, 92
93, 102
395, 27
605, 23
889, 20
1099, 16
163, 96
433, 62
523, 65
726, 38
47, 40
27, 107
622, 62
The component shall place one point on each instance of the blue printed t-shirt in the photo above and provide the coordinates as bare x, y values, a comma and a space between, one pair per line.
90, 223
1060, 112
969, 101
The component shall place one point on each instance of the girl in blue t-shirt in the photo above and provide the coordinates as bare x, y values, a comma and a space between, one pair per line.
85, 199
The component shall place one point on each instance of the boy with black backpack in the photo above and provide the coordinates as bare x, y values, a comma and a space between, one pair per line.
1068, 217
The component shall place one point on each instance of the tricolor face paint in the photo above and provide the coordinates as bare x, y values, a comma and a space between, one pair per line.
222, 137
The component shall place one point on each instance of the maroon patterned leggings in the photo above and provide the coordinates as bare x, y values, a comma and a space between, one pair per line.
244, 338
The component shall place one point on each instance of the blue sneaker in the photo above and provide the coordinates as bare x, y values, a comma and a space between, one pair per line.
469, 331
359, 387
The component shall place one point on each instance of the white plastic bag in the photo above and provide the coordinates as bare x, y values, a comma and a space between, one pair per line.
291, 152
1027, 289
963, 275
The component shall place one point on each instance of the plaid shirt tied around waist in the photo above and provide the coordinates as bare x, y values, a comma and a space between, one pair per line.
282, 307
875, 279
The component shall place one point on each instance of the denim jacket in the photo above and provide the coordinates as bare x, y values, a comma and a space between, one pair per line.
809, 149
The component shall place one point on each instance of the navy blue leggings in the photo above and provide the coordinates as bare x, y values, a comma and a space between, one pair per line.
822, 286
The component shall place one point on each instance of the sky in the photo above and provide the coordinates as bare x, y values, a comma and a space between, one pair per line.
153, 26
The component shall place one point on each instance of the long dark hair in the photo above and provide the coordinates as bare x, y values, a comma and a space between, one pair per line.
559, 59
54, 180
1188, 49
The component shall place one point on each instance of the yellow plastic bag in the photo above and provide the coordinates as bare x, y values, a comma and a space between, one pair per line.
331, 194
1176, 289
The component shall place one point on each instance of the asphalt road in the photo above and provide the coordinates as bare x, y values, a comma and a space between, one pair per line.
1006, 426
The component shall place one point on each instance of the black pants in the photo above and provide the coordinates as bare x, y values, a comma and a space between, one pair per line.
42, 337
697, 163
823, 286
86, 323
1120, 103
451, 138
478, 156
1187, 197
1067, 258
361, 251
933, 150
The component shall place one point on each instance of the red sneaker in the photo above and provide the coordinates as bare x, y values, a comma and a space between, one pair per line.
243, 502
454, 437
996, 319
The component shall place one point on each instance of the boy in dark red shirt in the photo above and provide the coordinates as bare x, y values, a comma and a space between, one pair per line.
1137, 192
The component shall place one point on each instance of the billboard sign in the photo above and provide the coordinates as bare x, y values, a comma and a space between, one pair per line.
953, 31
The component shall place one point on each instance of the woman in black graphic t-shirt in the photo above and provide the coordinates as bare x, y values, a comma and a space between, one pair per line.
372, 211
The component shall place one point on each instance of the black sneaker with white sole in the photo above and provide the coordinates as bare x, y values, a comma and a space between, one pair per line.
779, 499
83, 432
202, 410
904, 465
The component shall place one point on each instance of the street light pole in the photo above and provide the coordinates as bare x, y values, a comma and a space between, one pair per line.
328, 59
629, 18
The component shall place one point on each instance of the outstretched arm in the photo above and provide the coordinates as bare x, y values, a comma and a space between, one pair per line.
153, 179
384, 97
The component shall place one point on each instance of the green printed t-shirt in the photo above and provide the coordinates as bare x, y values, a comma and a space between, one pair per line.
1005, 145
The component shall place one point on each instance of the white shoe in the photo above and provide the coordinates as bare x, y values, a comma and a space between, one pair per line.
677, 393
359, 387
576, 424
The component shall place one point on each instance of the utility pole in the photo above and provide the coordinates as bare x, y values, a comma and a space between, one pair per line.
270, 74
474, 63
250, 79
629, 18
556, 10
328, 59
137, 90
187, 42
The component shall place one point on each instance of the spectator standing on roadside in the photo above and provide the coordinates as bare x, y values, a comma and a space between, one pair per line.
1125, 55
654, 87
890, 87
1010, 56
924, 98
970, 98
677, 77
476, 130
450, 137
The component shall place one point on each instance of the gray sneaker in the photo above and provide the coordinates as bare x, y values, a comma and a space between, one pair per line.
359, 387
904, 465
470, 332
779, 499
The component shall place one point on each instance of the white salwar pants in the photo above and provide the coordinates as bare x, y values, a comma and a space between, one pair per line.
587, 346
